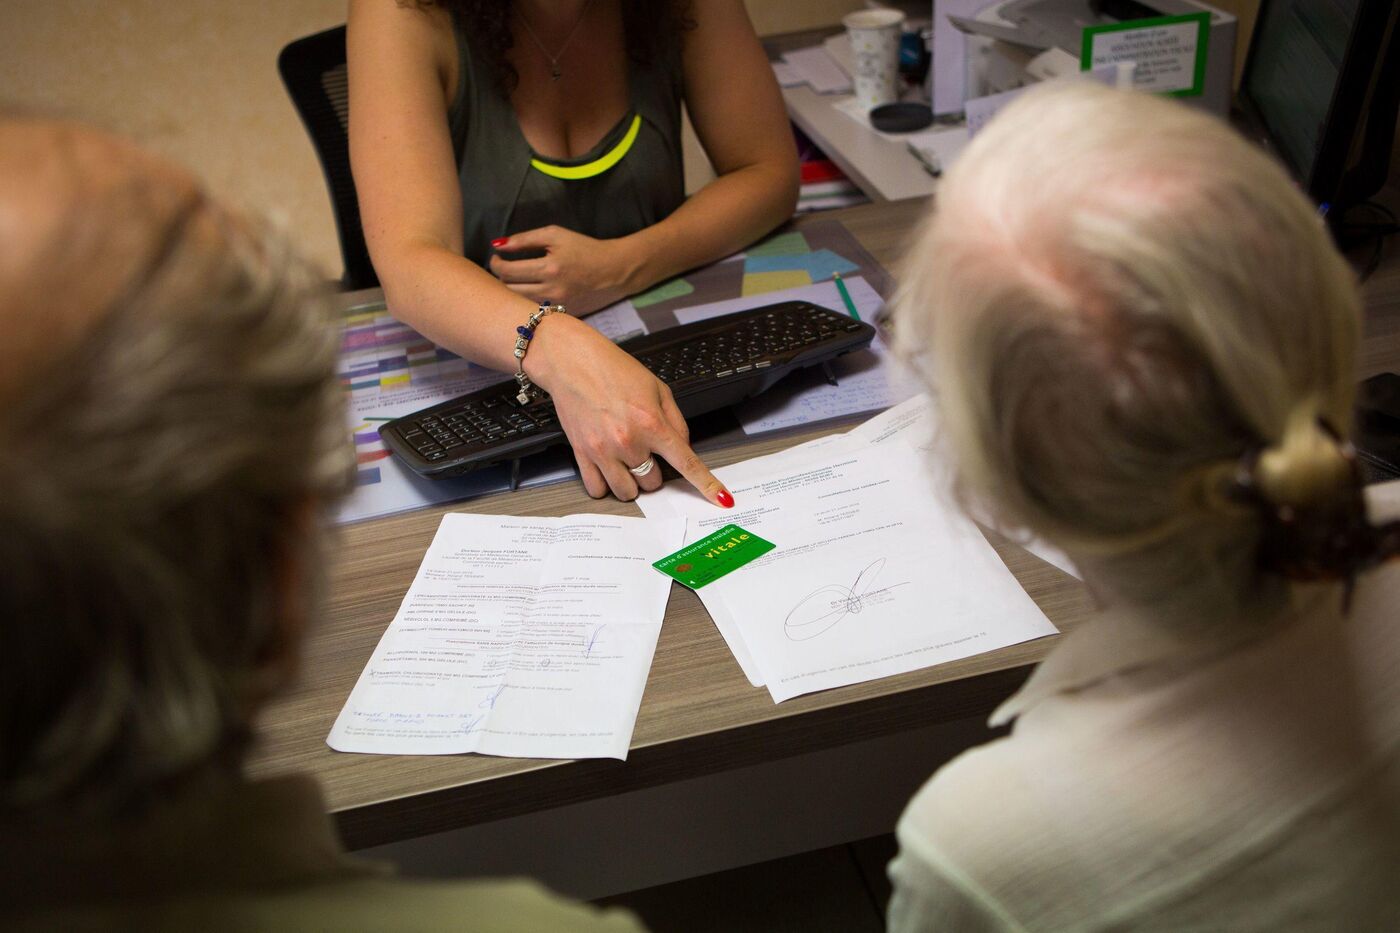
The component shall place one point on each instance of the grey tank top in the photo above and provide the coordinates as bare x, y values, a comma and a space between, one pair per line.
631, 179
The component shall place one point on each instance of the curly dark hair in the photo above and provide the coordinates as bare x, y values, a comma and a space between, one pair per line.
652, 29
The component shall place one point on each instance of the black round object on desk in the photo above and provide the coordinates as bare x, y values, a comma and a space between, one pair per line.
904, 117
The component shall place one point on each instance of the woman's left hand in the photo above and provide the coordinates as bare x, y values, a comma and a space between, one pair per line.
577, 271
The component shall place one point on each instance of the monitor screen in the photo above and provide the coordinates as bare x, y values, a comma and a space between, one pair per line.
1295, 61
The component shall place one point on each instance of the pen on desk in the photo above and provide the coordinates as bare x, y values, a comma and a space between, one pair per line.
927, 158
845, 296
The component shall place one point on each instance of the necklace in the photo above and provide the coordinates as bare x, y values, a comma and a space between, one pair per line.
554, 71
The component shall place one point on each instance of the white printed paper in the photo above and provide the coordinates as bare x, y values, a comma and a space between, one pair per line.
817, 68
1165, 53
526, 637
908, 425
787, 75
874, 573
617, 322
913, 423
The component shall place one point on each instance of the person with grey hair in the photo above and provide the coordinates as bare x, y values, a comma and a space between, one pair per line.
173, 434
1142, 347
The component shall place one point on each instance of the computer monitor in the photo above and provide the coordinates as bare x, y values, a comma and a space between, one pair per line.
1321, 83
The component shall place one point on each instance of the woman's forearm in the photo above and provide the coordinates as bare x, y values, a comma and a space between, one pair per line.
455, 303
723, 217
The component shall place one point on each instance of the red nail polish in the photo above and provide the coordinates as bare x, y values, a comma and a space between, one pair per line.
499, 242
725, 499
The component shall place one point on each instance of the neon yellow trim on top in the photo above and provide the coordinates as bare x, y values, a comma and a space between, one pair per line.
599, 165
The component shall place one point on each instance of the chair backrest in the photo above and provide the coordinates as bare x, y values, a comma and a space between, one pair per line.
313, 69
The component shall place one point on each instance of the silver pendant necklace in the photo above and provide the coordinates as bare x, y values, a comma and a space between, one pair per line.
554, 72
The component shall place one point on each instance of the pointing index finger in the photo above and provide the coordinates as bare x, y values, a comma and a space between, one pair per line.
679, 454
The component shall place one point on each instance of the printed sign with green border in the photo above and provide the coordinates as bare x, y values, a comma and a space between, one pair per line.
713, 556
1169, 51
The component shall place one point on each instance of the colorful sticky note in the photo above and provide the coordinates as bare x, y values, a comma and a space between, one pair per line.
784, 244
754, 264
820, 265
758, 283
676, 288
823, 264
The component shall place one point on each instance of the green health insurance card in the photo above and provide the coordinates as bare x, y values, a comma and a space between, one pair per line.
713, 556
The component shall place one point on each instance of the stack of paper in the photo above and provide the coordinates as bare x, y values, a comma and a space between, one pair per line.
528, 637
814, 66
874, 573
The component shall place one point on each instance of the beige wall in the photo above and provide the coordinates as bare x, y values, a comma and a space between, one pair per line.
771, 17
197, 80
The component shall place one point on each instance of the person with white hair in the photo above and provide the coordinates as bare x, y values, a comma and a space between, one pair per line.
173, 433
1142, 347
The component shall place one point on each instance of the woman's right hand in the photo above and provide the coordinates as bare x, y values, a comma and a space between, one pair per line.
615, 412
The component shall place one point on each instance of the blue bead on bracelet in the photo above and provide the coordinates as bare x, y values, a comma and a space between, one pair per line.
522, 344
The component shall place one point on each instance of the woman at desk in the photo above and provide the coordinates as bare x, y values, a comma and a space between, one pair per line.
1143, 346
516, 159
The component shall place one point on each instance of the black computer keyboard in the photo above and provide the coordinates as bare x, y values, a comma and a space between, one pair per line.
708, 365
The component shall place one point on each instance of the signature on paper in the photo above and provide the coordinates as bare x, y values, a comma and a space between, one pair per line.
819, 612
490, 701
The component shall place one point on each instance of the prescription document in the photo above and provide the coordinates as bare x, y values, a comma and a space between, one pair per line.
874, 572
521, 636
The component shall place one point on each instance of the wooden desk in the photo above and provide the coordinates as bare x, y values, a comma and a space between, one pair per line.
699, 715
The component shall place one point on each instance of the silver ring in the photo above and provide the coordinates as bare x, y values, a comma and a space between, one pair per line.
643, 468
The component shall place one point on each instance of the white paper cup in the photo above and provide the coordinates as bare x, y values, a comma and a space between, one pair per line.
875, 50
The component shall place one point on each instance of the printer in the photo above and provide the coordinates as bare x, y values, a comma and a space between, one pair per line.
1013, 43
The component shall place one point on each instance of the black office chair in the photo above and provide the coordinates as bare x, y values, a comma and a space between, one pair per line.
313, 69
